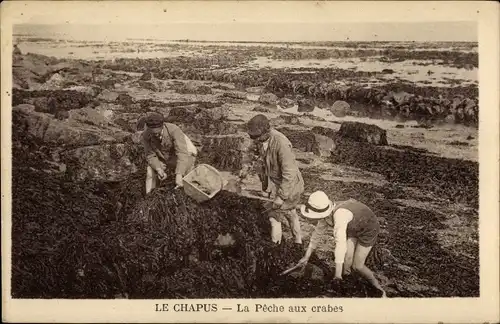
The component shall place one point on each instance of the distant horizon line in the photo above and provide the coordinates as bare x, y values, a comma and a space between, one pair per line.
267, 42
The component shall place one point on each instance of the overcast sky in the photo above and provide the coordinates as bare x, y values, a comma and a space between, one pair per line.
381, 31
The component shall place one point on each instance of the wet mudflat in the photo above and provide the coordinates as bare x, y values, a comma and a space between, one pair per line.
83, 228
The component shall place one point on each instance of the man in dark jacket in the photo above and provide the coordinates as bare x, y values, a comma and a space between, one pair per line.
280, 167
167, 149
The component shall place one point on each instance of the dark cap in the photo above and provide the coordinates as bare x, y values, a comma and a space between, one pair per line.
154, 120
258, 125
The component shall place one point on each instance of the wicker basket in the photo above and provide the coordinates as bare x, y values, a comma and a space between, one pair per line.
205, 177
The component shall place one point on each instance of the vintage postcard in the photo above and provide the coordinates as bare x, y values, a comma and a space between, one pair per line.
250, 161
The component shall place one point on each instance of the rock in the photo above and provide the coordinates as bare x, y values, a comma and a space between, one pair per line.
314, 117
124, 99
225, 152
66, 133
191, 88
16, 51
146, 76
92, 91
26, 108
268, 99
401, 97
184, 115
42, 104
235, 95
149, 85
54, 101
62, 115
450, 119
107, 162
324, 146
303, 140
65, 66
305, 105
328, 132
128, 121
388, 71
361, 132
218, 113
254, 90
98, 117
263, 109
108, 96
400, 126
285, 120
340, 108
56, 81
286, 103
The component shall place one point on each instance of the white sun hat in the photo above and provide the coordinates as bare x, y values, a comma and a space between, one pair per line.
317, 206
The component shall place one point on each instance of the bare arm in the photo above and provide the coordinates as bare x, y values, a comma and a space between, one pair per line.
341, 217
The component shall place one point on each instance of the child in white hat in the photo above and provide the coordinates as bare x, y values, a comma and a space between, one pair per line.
355, 229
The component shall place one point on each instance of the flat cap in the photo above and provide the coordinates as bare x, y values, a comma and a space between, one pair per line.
258, 125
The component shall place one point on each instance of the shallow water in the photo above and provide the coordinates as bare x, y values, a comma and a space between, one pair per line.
407, 70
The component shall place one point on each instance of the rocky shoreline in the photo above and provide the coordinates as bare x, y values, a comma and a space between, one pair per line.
78, 177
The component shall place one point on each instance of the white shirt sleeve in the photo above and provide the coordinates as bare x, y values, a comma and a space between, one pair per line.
341, 217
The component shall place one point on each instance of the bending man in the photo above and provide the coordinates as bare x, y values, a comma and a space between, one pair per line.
167, 149
355, 229
281, 168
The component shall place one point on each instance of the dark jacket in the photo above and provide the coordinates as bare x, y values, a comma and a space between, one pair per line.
281, 168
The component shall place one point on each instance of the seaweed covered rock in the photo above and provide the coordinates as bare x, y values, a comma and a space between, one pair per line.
309, 141
286, 103
149, 85
52, 101
147, 76
107, 162
264, 109
453, 179
182, 115
191, 88
362, 132
216, 113
268, 99
225, 152
340, 108
56, 81
235, 95
328, 132
303, 140
305, 105
71, 133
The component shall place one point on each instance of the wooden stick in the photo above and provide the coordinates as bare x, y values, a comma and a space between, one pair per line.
291, 269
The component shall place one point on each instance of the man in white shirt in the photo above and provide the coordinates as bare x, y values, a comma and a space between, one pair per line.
355, 230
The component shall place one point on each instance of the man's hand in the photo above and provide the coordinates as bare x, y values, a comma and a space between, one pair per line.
243, 174
303, 262
161, 174
178, 180
278, 203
